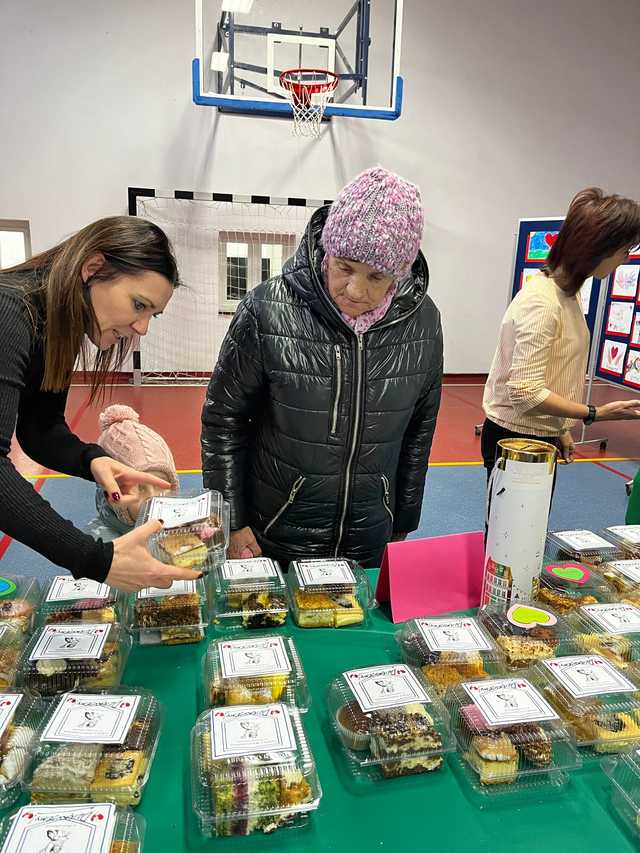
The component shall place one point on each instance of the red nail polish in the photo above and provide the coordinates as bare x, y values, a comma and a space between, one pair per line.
115, 496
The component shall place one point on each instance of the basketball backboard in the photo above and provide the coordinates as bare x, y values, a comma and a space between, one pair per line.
242, 46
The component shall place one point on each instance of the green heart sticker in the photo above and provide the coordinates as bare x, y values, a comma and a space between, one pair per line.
574, 573
525, 616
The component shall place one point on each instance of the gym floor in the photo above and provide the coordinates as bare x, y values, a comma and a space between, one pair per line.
590, 493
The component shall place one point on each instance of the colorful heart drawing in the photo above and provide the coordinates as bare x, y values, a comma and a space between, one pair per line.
524, 616
550, 238
614, 353
570, 572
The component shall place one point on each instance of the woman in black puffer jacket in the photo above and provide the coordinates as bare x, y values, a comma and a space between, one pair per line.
320, 412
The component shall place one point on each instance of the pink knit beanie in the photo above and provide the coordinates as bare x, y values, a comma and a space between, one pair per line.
377, 219
134, 444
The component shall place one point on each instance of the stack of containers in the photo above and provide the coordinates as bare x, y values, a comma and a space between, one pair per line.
566, 585
599, 702
526, 633
73, 655
66, 599
249, 593
95, 747
329, 593
449, 650
627, 538
388, 722
509, 737
53, 829
252, 770
586, 547
610, 630
258, 669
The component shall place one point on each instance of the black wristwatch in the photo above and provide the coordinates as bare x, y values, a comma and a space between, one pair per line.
590, 417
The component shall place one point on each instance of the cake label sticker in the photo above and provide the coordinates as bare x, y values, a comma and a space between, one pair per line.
266, 656
62, 829
378, 687
588, 675
67, 588
583, 540
8, 704
85, 718
67, 642
457, 635
627, 532
508, 701
176, 588
176, 512
614, 618
255, 568
629, 568
246, 730
324, 572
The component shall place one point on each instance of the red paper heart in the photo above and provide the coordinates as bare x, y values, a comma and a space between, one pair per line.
614, 353
550, 239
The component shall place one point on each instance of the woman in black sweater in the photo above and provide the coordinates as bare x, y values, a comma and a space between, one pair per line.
103, 284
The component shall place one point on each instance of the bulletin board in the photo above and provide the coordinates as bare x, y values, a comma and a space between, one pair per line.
619, 336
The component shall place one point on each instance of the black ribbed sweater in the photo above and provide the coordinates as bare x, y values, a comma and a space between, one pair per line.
38, 419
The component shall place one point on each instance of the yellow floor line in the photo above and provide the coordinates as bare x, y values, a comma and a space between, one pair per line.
431, 465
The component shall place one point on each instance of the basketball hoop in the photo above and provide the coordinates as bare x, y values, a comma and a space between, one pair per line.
309, 90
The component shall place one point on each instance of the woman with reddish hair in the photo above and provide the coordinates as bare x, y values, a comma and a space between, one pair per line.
536, 382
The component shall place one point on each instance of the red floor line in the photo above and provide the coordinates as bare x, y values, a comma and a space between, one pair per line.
613, 470
7, 540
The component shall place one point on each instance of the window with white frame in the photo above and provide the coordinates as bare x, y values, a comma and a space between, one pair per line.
246, 259
15, 242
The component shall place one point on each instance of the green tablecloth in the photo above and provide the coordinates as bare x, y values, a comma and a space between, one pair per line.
430, 811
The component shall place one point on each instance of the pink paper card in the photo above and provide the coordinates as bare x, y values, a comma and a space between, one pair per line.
426, 577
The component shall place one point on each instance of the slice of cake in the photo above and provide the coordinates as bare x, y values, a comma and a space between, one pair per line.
405, 740
494, 758
185, 550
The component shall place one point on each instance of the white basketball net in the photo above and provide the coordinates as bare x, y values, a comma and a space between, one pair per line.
308, 104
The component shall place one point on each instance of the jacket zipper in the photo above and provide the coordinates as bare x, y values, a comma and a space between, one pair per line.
354, 443
386, 499
292, 496
336, 402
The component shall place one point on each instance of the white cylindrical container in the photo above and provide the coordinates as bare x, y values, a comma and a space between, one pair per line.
518, 512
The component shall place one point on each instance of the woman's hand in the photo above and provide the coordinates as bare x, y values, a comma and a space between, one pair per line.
620, 410
133, 568
119, 482
567, 447
242, 544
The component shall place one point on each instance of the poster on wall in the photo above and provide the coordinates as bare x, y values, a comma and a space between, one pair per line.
635, 332
585, 295
528, 273
625, 281
539, 245
619, 318
632, 369
612, 358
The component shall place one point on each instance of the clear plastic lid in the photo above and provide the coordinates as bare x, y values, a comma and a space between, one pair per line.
508, 734
256, 670
95, 746
597, 701
194, 531
249, 593
565, 585
89, 828
252, 770
178, 614
449, 649
623, 578
19, 597
611, 630
328, 593
627, 537
526, 633
389, 721
67, 599
75, 655
624, 774
12, 642
582, 545
20, 716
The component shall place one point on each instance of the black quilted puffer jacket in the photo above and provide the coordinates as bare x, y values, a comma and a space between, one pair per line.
319, 438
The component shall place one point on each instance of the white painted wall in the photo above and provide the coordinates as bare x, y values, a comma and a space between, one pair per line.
511, 107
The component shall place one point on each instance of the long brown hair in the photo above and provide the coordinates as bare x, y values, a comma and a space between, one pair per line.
131, 246
596, 227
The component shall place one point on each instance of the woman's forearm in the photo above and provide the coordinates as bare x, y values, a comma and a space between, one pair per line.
559, 406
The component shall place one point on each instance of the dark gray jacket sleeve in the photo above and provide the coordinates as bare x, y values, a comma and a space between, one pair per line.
416, 446
230, 409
